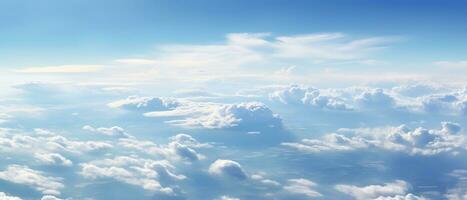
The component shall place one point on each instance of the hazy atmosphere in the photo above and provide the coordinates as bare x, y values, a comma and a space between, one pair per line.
233, 100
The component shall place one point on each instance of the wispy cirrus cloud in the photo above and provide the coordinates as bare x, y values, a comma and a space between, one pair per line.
61, 69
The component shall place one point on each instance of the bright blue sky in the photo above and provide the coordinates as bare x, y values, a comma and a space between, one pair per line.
56, 32
233, 100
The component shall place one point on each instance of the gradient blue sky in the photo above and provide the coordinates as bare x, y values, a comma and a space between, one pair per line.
55, 32
233, 100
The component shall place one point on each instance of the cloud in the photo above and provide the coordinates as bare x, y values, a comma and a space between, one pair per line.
459, 191
181, 147
293, 94
62, 69
53, 159
250, 115
24, 175
50, 197
402, 197
145, 104
452, 103
245, 56
385, 191
375, 99
314, 98
224, 197
327, 46
452, 64
413, 99
419, 141
228, 168
136, 61
264, 181
114, 131
145, 173
419, 89
4, 118
15, 141
4, 196
303, 187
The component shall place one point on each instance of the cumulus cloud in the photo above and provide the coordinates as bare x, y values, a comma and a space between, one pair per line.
299, 95
20, 174
418, 89
227, 168
53, 159
385, 191
303, 187
412, 98
114, 131
145, 104
249, 115
224, 197
50, 197
375, 99
145, 173
180, 147
265, 181
459, 191
419, 141
45, 141
4, 196
402, 197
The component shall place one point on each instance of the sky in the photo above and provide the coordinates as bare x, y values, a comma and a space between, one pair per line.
230, 100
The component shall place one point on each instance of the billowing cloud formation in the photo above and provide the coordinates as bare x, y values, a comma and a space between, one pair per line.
181, 146
227, 168
303, 187
375, 98
224, 197
114, 131
393, 190
46, 141
50, 197
417, 98
136, 171
145, 104
459, 192
53, 159
4, 196
295, 94
249, 115
417, 141
38, 180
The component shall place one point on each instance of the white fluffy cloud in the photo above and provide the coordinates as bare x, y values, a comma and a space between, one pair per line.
375, 99
36, 179
53, 159
15, 141
300, 95
391, 190
145, 104
417, 141
4, 196
303, 187
227, 168
249, 115
459, 191
224, 197
402, 197
180, 147
114, 131
145, 173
